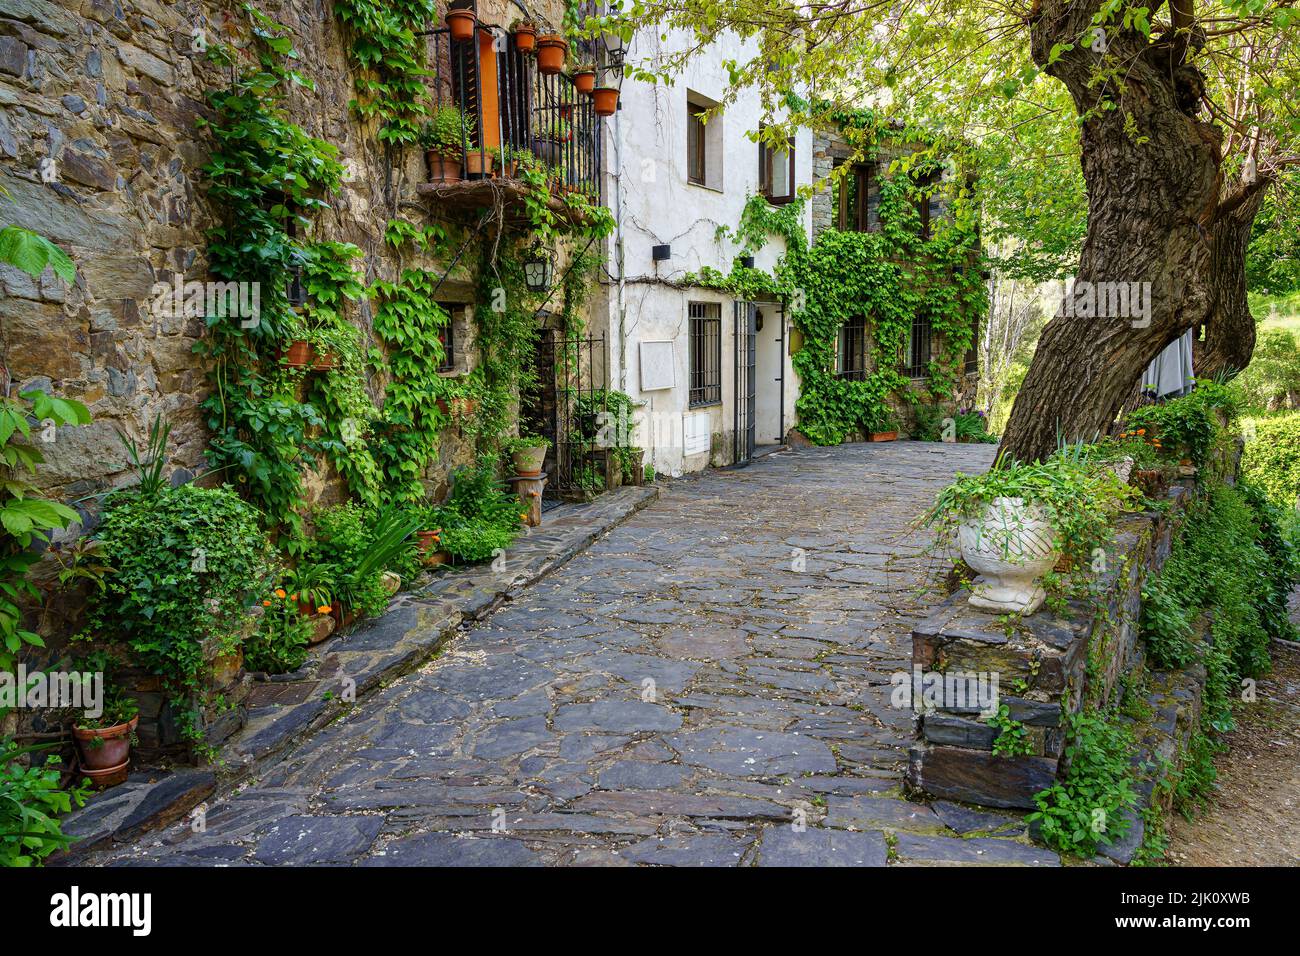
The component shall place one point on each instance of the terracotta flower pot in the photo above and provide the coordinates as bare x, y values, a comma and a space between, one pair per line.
115, 750
428, 540
604, 99
525, 38
551, 51
442, 169
883, 436
584, 81
435, 558
297, 355
324, 361
461, 24
478, 164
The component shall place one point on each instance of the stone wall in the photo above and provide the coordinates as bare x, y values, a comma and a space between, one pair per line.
1043, 663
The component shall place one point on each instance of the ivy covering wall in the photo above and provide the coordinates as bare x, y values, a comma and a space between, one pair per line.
888, 276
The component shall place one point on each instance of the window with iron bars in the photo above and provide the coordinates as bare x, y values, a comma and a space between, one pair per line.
916, 354
706, 353
851, 360
447, 334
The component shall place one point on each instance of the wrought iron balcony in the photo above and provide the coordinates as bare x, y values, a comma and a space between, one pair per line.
517, 118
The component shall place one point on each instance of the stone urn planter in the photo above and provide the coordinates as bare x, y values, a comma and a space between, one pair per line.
1011, 546
528, 461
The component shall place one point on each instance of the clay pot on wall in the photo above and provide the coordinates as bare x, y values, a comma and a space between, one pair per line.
442, 169
551, 51
461, 23
525, 38
604, 100
584, 81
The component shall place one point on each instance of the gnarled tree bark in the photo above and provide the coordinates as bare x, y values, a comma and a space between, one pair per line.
1152, 172
1230, 328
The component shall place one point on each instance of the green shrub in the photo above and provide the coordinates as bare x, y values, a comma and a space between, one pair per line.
1186, 427
30, 804
187, 563
280, 643
1272, 457
1084, 809
1166, 627
1272, 378
479, 516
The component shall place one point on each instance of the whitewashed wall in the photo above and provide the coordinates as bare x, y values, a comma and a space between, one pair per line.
646, 186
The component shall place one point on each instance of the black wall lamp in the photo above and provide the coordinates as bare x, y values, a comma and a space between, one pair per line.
661, 253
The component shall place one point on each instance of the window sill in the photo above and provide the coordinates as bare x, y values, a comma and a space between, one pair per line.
703, 405
712, 189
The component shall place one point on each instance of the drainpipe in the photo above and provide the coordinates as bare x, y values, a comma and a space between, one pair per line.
621, 273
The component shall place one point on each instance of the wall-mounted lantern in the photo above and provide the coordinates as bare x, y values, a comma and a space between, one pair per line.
661, 253
539, 269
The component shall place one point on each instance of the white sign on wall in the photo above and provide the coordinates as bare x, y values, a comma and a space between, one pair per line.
658, 369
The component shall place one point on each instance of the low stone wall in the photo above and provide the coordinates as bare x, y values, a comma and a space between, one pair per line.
1043, 664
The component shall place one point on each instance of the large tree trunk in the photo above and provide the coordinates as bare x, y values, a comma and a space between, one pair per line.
1230, 328
1152, 173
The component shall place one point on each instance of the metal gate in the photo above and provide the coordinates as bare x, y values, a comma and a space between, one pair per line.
567, 404
744, 341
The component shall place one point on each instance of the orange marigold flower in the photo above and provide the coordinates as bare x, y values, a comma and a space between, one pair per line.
279, 592
1142, 431
323, 609
266, 603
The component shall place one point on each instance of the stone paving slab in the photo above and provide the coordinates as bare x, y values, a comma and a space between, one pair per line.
417, 625
708, 684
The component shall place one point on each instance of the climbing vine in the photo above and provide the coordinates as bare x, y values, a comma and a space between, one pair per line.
888, 276
391, 80
268, 177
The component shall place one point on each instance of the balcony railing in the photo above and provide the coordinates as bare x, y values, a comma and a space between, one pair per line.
513, 111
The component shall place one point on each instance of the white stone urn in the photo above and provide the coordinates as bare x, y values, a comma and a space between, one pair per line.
1011, 546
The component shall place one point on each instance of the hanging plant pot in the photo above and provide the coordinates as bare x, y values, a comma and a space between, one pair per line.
324, 361
604, 99
461, 23
584, 81
458, 407
551, 51
298, 354
442, 168
478, 164
525, 38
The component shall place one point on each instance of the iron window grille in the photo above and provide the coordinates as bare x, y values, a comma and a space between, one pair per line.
447, 335
851, 362
917, 353
706, 353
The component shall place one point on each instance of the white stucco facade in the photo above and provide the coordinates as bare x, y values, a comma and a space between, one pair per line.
647, 187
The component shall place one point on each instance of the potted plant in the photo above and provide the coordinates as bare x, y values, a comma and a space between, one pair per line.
551, 51
1015, 522
104, 742
525, 35
887, 431
443, 138
549, 136
506, 161
604, 99
461, 24
367, 587
584, 77
478, 163
527, 454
